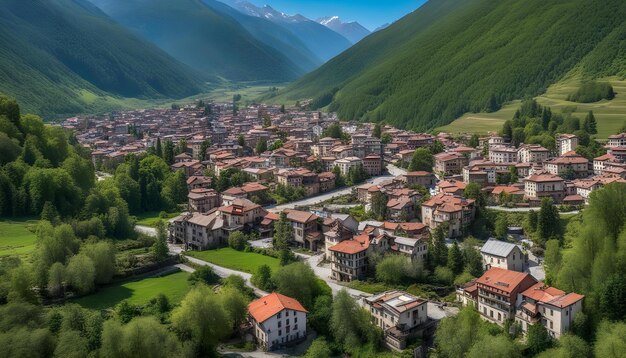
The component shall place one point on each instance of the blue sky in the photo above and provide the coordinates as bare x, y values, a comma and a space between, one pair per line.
369, 13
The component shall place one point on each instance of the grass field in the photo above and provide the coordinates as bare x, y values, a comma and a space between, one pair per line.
174, 286
17, 237
249, 92
610, 115
151, 218
236, 260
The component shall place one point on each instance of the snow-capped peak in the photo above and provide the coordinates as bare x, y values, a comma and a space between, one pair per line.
329, 19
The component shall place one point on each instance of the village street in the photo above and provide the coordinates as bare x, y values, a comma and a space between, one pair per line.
392, 170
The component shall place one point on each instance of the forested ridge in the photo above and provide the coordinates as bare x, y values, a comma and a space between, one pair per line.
203, 38
452, 57
55, 52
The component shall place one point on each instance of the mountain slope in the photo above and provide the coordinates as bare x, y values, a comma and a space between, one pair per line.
273, 35
450, 57
202, 38
54, 53
322, 41
353, 31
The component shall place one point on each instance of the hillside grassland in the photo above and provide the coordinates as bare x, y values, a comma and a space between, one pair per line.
453, 57
249, 92
236, 260
139, 292
610, 114
17, 238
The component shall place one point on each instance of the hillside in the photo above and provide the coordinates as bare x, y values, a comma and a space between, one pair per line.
451, 57
202, 38
322, 41
272, 35
61, 56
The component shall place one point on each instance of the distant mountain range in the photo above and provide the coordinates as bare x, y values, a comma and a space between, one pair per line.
203, 38
353, 31
66, 56
322, 41
450, 57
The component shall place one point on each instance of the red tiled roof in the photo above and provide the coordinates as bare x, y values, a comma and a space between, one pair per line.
543, 178
270, 305
300, 216
550, 295
502, 279
351, 246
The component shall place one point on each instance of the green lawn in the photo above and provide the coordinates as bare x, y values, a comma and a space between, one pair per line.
174, 286
236, 260
609, 114
151, 218
16, 237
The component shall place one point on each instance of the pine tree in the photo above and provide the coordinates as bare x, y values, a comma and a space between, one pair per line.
261, 146
455, 259
513, 177
438, 251
474, 141
548, 222
379, 206
282, 109
377, 132
283, 232
507, 130
339, 179
203, 149
159, 249
159, 149
590, 125
168, 152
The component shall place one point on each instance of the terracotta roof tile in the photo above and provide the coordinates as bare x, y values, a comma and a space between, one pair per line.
270, 305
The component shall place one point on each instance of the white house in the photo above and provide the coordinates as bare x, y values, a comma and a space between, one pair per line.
502, 254
277, 321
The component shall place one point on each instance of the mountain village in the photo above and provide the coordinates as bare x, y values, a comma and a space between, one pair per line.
312, 154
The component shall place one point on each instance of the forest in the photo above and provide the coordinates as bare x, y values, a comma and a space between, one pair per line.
450, 57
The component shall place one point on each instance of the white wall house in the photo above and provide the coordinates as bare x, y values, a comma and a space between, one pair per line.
502, 254
277, 320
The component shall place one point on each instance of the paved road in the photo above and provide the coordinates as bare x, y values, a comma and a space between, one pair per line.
393, 171
146, 230
524, 210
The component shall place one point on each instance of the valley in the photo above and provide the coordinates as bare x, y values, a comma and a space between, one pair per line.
204, 178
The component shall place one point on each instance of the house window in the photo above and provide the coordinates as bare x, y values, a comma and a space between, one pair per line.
551, 312
280, 332
295, 327
287, 323
550, 324
279, 324
278, 316
286, 313
295, 320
